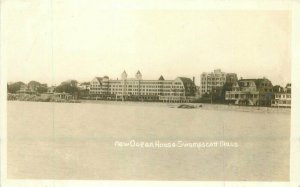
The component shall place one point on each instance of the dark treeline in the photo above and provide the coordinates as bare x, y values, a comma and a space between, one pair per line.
70, 87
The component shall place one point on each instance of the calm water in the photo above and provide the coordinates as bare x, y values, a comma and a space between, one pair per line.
77, 141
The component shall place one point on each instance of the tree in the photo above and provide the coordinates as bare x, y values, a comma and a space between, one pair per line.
13, 88
68, 87
85, 83
42, 89
34, 84
226, 87
37, 87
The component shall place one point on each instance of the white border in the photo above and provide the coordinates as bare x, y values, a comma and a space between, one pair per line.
295, 125
294, 6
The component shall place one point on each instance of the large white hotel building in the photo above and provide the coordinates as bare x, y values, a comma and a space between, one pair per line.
215, 79
181, 89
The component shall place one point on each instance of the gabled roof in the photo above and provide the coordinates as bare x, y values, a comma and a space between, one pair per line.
250, 80
189, 85
161, 78
185, 80
259, 81
256, 81
99, 79
263, 79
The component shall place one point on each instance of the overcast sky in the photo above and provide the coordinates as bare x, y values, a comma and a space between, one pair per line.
53, 42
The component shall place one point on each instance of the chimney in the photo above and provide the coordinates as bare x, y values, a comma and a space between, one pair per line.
194, 80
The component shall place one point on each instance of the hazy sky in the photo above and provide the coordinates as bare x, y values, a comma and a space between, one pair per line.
53, 42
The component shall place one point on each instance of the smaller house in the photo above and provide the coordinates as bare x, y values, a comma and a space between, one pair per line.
282, 98
243, 93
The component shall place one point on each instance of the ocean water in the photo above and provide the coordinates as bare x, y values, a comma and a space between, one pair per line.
88, 141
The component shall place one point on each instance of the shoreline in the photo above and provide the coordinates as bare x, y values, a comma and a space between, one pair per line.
204, 106
197, 106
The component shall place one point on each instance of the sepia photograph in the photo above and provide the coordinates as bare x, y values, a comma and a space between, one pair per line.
141, 91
